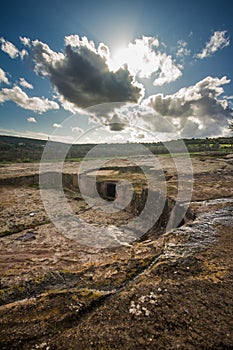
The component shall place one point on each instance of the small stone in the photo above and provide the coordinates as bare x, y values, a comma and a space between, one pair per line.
142, 298
27, 237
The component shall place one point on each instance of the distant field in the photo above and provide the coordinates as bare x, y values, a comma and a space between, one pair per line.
17, 150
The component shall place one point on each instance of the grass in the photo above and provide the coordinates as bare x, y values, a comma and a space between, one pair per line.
223, 150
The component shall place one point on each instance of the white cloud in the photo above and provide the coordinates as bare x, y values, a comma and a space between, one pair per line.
3, 77
72, 40
139, 56
25, 41
195, 111
217, 41
25, 84
45, 58
104, 52
23, 53
35, 104
56, 125
168, 71
68, 106
145, 61
31, 120
77, 129
11, 49
75, 41
182, 49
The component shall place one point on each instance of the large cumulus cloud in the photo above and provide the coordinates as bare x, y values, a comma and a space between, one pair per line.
195, 111
82, 76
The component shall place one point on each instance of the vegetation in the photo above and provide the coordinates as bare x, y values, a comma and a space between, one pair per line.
15, 149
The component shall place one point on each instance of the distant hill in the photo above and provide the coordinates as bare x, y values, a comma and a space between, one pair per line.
21, 149
4, 139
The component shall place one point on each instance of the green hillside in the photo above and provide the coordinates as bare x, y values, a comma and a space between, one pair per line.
18, 149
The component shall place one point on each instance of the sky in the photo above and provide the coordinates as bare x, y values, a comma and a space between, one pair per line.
116, 71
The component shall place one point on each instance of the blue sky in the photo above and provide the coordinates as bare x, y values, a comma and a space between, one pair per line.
168, 65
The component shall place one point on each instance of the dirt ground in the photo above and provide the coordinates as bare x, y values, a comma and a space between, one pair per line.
169, 291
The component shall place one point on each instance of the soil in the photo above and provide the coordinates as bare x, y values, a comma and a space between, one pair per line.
164, 291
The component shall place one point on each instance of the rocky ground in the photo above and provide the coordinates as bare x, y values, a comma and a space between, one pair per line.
168, 291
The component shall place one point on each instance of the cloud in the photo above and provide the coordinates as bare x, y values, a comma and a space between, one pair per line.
37, 135
195, 111
114, 116
168, 71
35, 104
11, 49
77, 129
139, 56
23, 53
25, 84
182, 49
3, 77
26, 133
144, 60
31, 120
217, 41
25, 41
82, 76
56, 125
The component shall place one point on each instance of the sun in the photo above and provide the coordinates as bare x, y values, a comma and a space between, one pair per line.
139, 57
121, 57
126, 56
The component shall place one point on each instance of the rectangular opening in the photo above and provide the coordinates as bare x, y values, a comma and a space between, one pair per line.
111, 190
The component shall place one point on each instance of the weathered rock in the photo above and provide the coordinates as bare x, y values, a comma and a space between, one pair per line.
168, 290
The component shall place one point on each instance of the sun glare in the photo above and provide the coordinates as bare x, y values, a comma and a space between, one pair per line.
139, 57
120, 57
130, 56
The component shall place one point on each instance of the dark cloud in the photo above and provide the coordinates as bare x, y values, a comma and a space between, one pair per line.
82, 76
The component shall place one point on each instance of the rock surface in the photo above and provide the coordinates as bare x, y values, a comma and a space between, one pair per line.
169, 291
